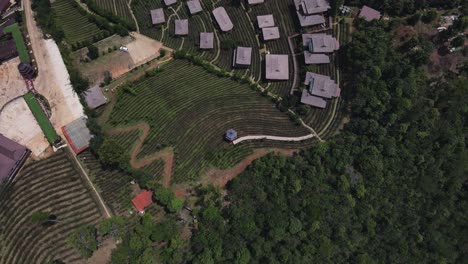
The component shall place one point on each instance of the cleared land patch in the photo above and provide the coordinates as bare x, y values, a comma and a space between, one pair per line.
190, 110
51, 185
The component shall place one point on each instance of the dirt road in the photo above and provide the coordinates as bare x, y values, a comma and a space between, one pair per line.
53, 79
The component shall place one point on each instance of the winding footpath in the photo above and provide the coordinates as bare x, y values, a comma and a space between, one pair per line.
276, 138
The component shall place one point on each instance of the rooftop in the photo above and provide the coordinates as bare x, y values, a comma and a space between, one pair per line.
157, 16
321, 85
254, 2
77, 134
265, 21
194, 6
320, 43
206, 40
143, 200
309, 99
12, 156
223, 19
311, 58
369, 14
310, 7
242, 56
277, 67
231, 135
270, 33
94, 97
181, 27
8, 50
312, 20
170, 2
4, 4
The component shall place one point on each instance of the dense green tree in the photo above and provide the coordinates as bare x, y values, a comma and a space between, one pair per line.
93, 52
111, 153
40, 217
84, 240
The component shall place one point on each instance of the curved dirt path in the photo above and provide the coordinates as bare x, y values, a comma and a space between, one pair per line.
220, 178
167, 154
129, 5
276, 138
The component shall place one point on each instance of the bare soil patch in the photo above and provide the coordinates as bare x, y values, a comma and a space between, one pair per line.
18, 123
219, 177
103, 254
12, 84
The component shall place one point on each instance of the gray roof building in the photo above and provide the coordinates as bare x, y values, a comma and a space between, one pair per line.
311, 58
309, 99
321, 85
223, 19
77, 134
277, 67
255, 2
265, 21
170, 2
206, 40
194, 6
270, 33
94, 97
311, 7
181, 27
12, 157
320, 43
312, 20
157, 16
369, 14
242, 57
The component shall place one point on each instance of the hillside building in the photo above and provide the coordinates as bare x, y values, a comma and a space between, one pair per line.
12, 157
270, 33
369, 14
242, 57
312, 58
312, 20
77, 134
320, 43
231, 135
312, 7
157, 16
169, 2
181, 27
265, 21
223, 19
320, 87
277, 67
94, 97
255, 2
143, 200
4, 5
26, 70
8, 50
206, 40
194, 6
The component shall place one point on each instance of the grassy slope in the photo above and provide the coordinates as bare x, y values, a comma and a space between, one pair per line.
41, 118
22, 51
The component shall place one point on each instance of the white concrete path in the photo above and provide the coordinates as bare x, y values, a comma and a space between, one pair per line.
239, 140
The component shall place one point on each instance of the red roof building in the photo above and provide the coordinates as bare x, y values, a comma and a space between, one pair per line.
142, 200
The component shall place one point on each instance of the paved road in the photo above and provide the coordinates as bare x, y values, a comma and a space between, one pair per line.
239, 140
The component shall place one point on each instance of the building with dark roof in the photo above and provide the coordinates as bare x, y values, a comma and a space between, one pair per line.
265, 21
277, 67
369, 14
231, 135
7, 23
320, 43
8, 50
320, 87
26, 70
311, 7
194, 6
12, 157
94, 97
157, 16
270, 33
143, 200
242, 57
312, 58
223, 19
4, 5
170, 2
181, 27
77, 134
206, 40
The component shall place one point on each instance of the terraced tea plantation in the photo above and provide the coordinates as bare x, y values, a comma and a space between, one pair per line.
74, 22
116, 7
52, 185
190, 110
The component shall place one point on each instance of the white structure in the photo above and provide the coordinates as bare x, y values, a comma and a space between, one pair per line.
223, 19
277, 67
270, 33
181, 27
265, 21
206, 40
194, 6
157, 16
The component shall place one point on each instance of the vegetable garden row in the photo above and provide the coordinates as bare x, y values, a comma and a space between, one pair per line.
190, 109
50, 185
